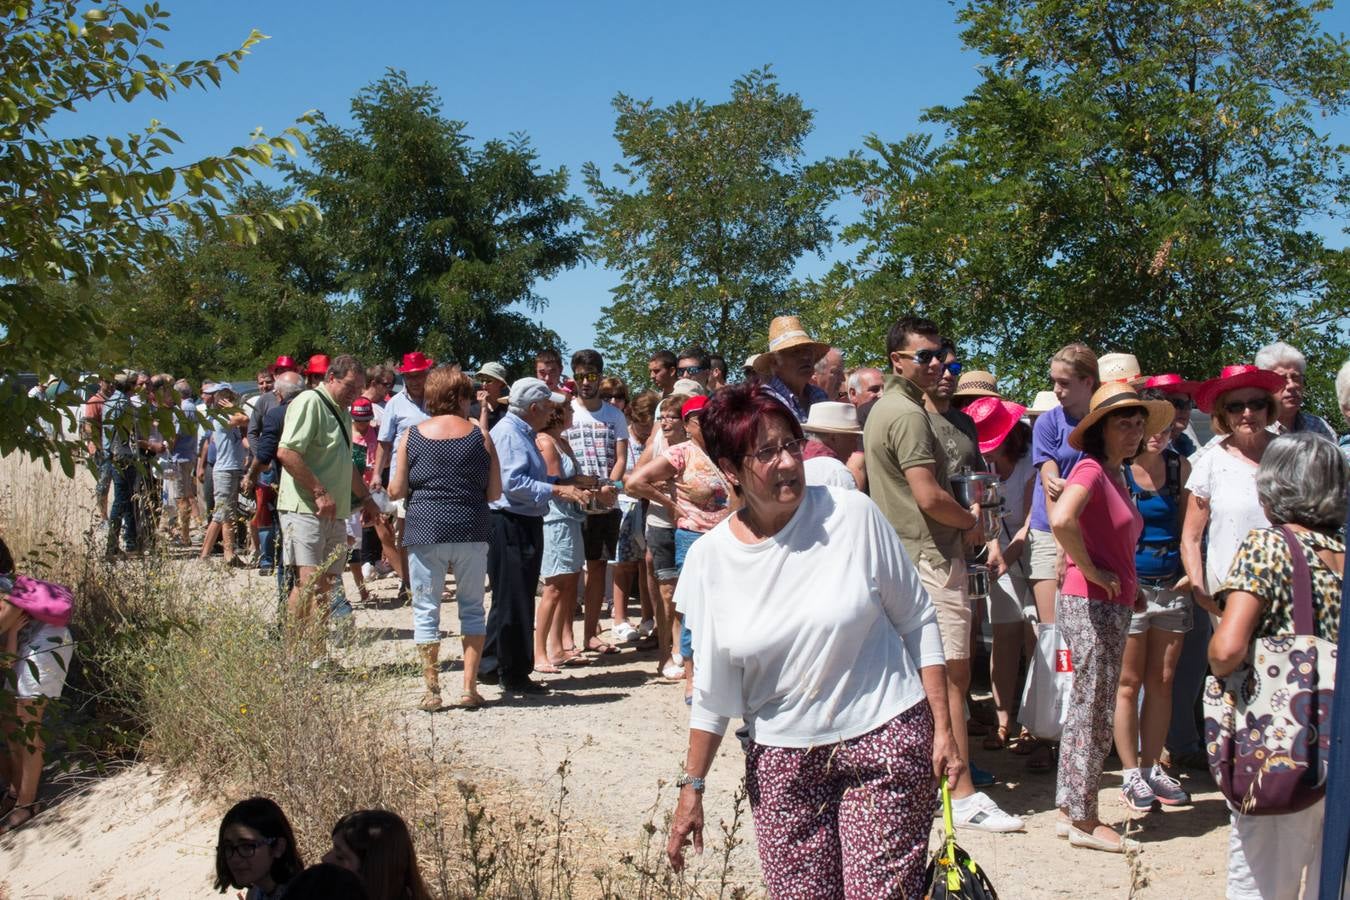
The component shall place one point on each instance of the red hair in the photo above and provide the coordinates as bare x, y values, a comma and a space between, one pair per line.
732, 419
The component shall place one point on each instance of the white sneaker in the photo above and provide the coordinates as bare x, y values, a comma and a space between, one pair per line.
367, 571
982, 814
625, 633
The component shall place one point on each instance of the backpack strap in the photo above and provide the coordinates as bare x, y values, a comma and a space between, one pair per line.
1303, 613
1173, 483
338, 418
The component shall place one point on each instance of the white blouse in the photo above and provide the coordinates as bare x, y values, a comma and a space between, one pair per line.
812, 636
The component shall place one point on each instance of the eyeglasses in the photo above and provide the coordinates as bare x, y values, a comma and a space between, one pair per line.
922, 357
766, 455
586, 377
245, 849
668, 418
690, 370
953, 367
1256, 404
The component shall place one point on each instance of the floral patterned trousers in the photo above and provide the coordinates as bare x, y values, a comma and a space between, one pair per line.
847, 820
1095, 632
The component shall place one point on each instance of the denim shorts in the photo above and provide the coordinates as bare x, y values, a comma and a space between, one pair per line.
632, 545
1167, 610
661, 541
563, 548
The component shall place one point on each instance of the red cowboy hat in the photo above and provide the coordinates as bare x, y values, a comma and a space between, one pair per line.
317, 365
692, 405
994, 419
284, 364
1234, 377
1173, 383
415, 362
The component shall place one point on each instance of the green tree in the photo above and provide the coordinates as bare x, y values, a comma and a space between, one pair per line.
80, 210
436, 241
1139, 175
714, 208
221, 307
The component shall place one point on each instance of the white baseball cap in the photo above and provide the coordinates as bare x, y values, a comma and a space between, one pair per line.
531, 390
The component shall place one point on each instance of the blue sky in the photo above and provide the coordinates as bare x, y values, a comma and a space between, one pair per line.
551, 69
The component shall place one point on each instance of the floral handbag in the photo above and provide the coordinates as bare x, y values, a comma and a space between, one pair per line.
1268, 723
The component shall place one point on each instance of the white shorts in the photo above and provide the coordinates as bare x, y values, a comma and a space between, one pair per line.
354, 527
178, 481
44, 656
311, 542
1010, 597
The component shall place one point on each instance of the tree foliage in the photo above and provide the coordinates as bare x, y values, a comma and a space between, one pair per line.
714, 208
1138, 174
438, 243
76, 211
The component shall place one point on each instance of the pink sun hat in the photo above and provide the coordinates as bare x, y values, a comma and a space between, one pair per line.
994, 419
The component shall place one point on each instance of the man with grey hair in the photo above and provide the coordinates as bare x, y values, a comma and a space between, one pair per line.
516, 547
829, 374
864, 387
1290, 363
318, 484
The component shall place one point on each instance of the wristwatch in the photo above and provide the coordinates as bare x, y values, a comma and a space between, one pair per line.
696, 783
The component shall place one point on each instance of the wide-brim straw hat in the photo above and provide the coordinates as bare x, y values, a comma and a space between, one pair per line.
976, 383
786, 332
1119, 367
1043, 403
994, 419
1234, 377
832, 417
1116, 395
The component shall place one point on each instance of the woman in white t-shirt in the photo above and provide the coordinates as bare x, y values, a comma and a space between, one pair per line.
810, 624
1241, 403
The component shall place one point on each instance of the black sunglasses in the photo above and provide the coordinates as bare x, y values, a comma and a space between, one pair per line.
1256, 404
922, 357
690, 370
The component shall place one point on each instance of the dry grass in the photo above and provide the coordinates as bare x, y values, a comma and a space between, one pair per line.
175, 668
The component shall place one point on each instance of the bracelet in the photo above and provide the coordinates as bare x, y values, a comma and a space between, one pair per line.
697, 784
321, 491
617, 484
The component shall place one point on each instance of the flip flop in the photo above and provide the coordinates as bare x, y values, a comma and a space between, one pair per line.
576, 660
549, 669
602, 650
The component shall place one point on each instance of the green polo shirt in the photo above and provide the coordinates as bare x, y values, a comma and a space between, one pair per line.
899, 435
324, 440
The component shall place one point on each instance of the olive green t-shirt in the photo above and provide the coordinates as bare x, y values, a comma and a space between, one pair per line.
323, 438
899, 435
961, 451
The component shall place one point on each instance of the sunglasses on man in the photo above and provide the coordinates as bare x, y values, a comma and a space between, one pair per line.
684, 371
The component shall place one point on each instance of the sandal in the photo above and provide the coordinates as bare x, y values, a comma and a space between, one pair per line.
8, 801
470, 701
574, 658
600, 648
996, 739
1023, 743
547, 669
11, 823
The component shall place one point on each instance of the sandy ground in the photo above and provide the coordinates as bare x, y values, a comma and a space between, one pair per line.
134, 835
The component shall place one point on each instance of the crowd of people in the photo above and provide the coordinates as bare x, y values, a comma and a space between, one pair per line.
805, 554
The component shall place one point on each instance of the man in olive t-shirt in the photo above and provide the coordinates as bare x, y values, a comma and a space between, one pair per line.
907, 472
318, 483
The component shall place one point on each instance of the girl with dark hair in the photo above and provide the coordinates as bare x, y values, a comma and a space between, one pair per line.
327, 881
1097, 524
256, 850
376, 845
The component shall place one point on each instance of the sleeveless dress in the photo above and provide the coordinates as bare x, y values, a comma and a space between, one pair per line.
447, 490
564, 553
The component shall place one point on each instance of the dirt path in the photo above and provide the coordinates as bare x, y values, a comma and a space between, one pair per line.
623, 733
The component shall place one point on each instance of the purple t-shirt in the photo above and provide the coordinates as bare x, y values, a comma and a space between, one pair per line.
1050, 440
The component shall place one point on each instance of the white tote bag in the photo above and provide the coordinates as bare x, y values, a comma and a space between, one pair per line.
1045, 700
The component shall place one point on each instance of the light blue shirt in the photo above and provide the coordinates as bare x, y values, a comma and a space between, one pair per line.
229, 444
400, 414
526, 484
185, 441
783, 394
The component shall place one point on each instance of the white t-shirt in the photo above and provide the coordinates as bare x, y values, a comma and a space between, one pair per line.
657, 517
1016, 498
827, 471
1229, 484
594, 437
812, 636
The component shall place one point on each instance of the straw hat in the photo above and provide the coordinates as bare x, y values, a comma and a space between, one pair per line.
786, 332
976, 383
1234, 377
830, 417
1119, 367
1114, 395
1044, 402
994, 418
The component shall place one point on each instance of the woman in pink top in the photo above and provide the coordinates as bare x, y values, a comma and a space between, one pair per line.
1097, 524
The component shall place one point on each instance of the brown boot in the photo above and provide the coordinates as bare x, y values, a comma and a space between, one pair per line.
431, 674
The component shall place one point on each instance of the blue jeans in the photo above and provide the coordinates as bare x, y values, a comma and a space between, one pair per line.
684, 539
427, 565
122, 513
